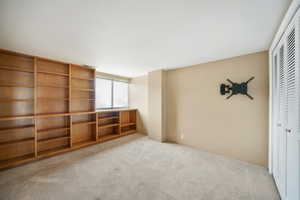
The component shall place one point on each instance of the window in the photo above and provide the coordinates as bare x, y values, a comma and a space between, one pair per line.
120, 94
103, 93
111, 93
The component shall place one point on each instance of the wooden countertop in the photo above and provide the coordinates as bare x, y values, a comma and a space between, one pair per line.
115, 110
63, 114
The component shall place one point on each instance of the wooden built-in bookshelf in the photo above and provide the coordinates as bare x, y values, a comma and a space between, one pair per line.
82, 89
108, 125
84, 129
52, 133
47, 107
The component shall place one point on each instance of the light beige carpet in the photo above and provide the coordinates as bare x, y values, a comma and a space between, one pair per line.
136, 167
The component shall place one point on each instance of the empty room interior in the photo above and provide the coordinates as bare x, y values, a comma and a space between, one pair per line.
149, 100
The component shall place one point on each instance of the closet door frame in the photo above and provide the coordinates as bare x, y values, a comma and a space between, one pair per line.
285, 99
294, 6
275, 111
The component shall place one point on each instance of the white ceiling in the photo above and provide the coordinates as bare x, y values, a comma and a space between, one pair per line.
133, 37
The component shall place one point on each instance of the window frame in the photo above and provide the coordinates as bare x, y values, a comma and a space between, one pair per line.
112, 94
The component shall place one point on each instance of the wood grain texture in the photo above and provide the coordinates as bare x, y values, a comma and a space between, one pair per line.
48, 107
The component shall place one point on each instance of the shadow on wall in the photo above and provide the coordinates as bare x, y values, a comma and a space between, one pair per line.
141, 124
138, 98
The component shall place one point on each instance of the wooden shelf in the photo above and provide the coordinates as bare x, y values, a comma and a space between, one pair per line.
52, 115
83, 99
75, 98
83, 144
53, 129
13, 68
51, 152
16, 128
17, 141
83, 67
104, 138
83, 113
83, 89
16, 85
128, 132
83, 123
109, 125
16, 161
53, 139
53, 86
63, 114
13, 100
85, 79
53, 73
16, 117
54, 99
108, 118
128, 124
113, 110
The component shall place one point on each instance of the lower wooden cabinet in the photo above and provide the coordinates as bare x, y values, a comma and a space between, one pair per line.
35, 137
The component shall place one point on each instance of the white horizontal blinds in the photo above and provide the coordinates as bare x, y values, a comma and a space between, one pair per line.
291, 75
111, 93
120, 94
103, 93
281, 99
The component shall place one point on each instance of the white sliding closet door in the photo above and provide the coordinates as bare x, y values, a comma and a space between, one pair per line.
293, 100
276, 125
280, 134
286, 112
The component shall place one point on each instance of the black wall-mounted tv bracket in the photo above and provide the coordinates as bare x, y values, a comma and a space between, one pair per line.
236, 88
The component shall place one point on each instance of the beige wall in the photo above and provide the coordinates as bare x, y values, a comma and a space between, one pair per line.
197, 115
156, 105
138, 98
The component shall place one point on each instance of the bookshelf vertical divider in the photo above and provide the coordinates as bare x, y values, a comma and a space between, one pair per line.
35, 85
70, 105
120, 121
70, 87
94, 86
35, 106
35, 139
97, 129
71, 135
